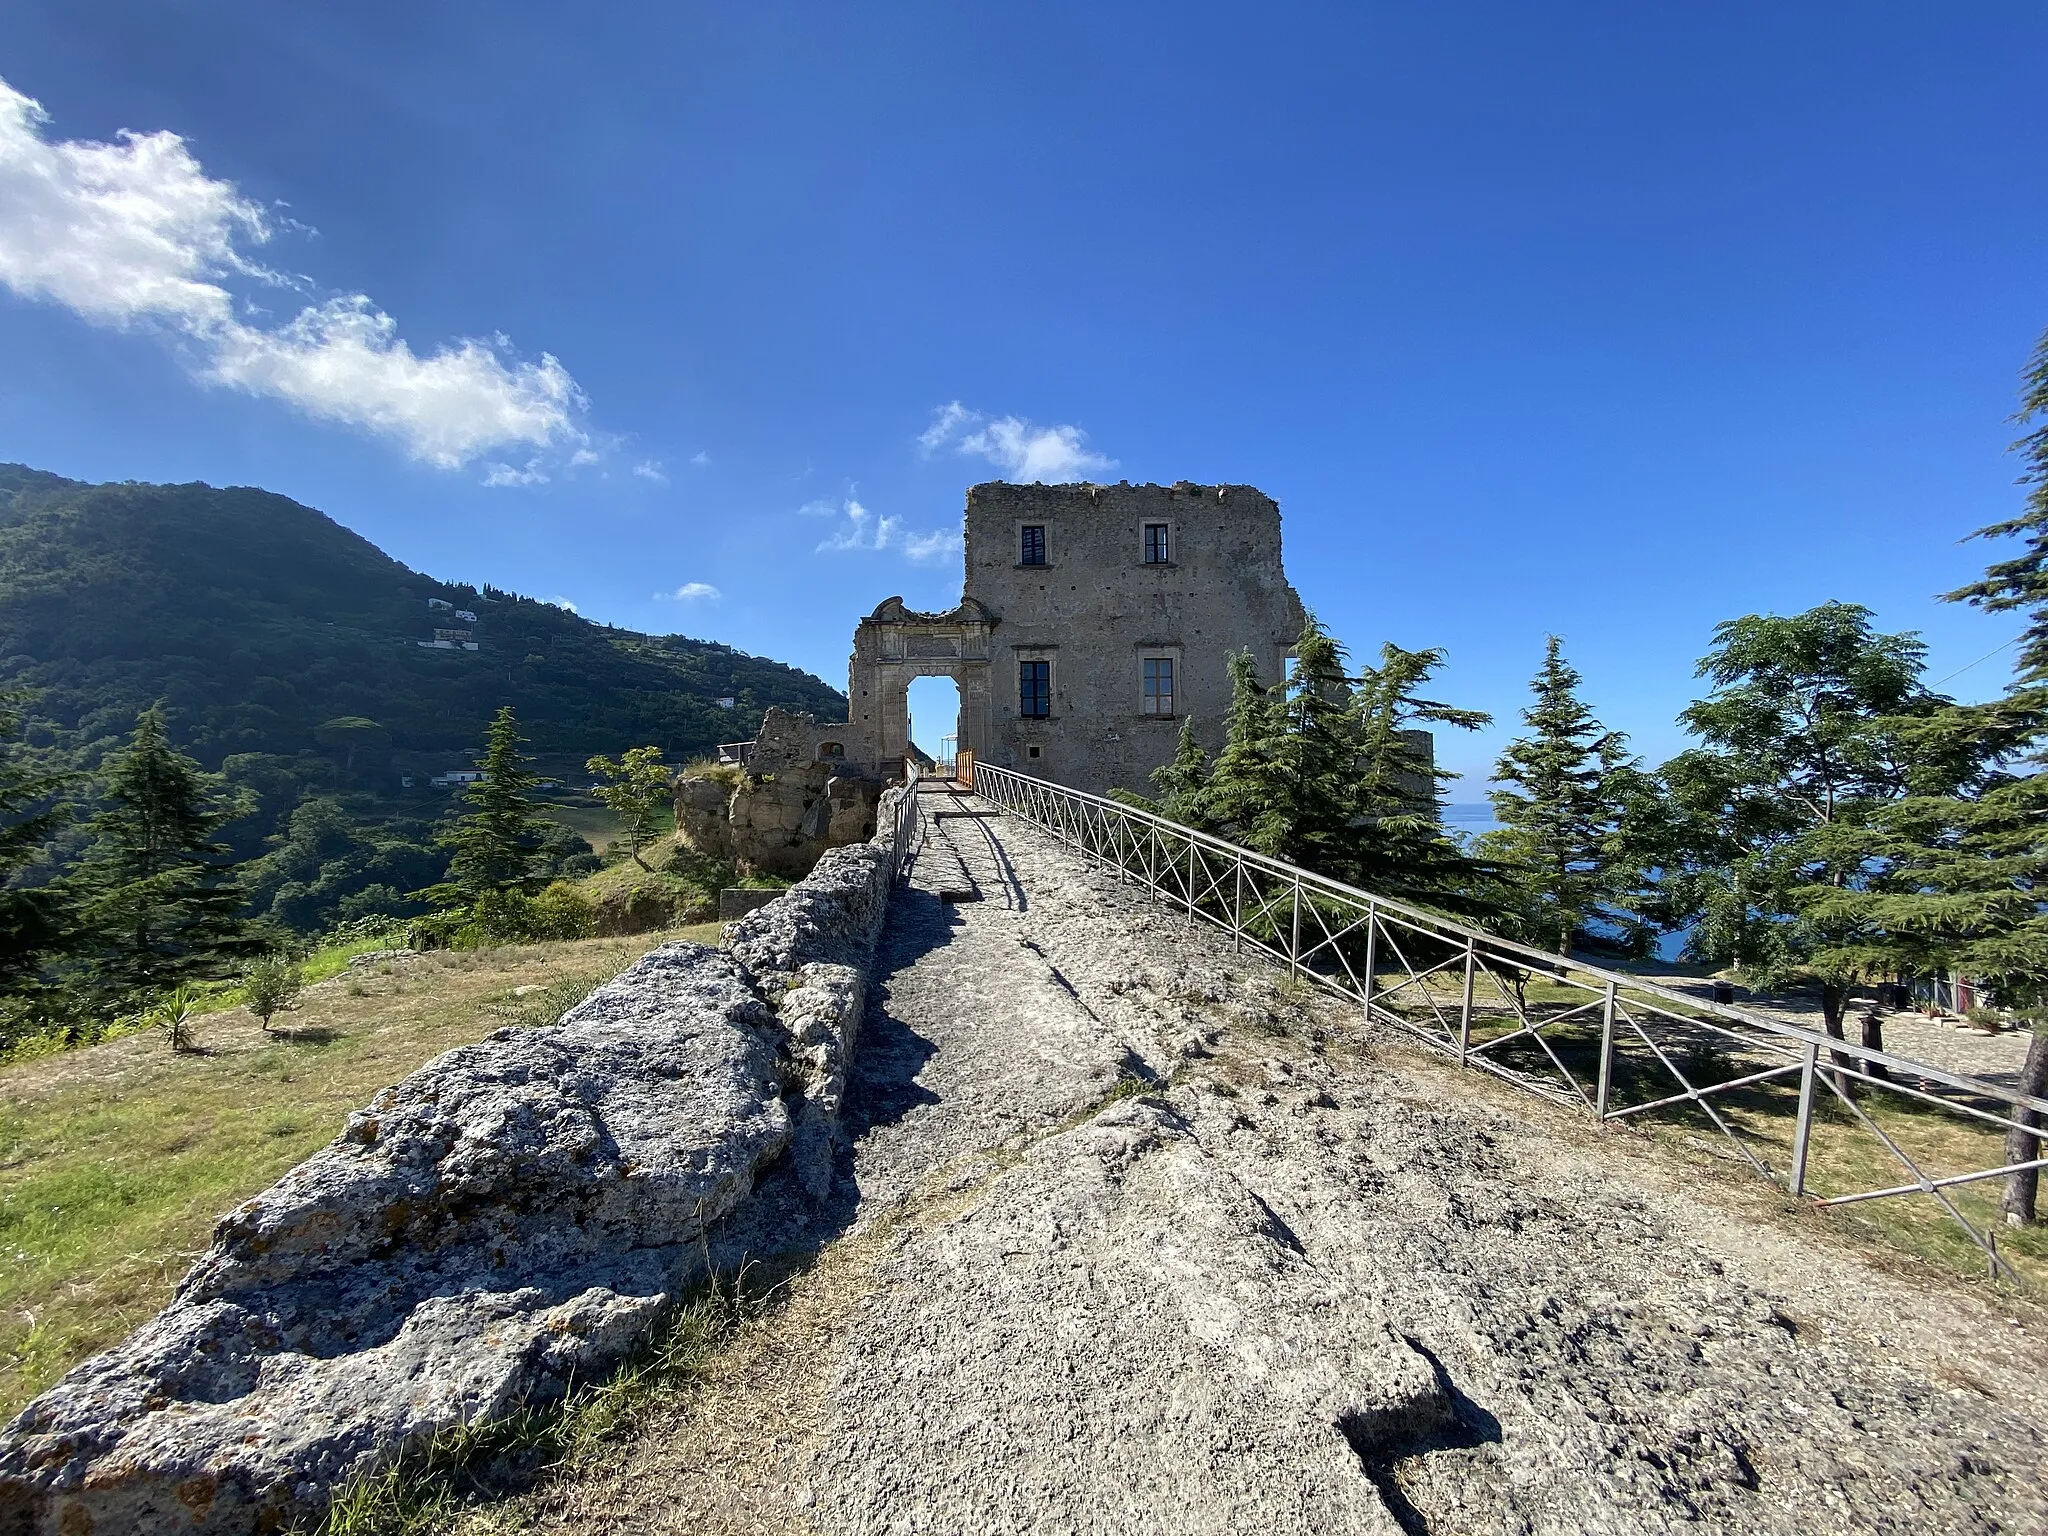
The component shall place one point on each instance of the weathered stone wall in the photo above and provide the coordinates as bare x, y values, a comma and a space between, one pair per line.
1094, 611
516, 1215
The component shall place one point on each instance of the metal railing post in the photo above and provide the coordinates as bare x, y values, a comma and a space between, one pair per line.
1237, 909
1191, 882
1294, 938
1606, 1052
1465, 1007
1372, 953
1803, 1131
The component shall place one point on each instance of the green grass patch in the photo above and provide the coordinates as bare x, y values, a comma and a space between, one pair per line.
117, 1159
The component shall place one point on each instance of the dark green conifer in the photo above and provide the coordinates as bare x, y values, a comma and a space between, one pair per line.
1563, 806
1245, 797
159, 902
1804, 746
1183, 783
1966, 884
499, 843
1401, 849
31, 924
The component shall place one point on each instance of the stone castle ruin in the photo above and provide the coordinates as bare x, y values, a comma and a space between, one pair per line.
1093, 622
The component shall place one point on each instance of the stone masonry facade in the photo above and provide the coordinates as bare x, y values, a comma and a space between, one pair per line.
1095, 620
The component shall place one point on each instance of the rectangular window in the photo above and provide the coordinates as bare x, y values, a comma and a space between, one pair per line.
1156, 552
1158, 685
1034, 689
1034, 546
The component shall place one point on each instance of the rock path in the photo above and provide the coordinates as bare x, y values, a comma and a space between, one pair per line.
1132, 1237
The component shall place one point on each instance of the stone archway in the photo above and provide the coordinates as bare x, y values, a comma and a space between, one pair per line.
894, 644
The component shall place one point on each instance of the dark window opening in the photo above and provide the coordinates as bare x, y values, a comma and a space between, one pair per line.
831, 749
1158, 685
1032, 751
1034, 547
1156, 550
1034, 689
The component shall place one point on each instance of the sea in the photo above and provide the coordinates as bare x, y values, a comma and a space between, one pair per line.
1466, 820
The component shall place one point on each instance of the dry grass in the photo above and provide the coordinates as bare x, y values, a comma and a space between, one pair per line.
115, 1161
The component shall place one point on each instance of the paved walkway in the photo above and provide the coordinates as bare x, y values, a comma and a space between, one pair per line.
1132, 1237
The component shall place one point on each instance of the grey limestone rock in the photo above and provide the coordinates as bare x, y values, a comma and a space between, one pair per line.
516, 1213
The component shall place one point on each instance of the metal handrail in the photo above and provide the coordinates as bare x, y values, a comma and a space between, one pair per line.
1193, 867
908, 820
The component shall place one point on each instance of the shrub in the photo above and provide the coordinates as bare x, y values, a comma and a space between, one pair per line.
269, 984
561, 912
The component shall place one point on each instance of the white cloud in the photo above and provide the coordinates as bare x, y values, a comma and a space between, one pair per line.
820, 508
650, 469
689, 592
561, 602
134, 234
502, 475
1021, 450
930, 548
700, 458
865, 531
945, 420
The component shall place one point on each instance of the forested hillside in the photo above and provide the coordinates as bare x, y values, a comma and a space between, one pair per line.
259, 621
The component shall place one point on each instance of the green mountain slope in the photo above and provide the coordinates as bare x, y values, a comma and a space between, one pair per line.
259, 620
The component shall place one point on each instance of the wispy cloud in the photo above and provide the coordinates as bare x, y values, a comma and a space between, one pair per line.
1020, 450
134, 234
863, 530
650, 469
502, 475
561, 602
690, 592
700, 458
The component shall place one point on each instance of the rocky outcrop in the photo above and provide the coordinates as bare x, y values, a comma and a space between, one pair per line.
515, 1216
795, 799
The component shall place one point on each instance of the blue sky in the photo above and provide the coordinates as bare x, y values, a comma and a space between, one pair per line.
1605, 319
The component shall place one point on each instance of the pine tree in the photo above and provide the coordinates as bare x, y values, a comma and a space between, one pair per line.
1804, 747
2022, 581
1183, 784
1316, 754
1967, 889
498, 845
1330, 775
31, 923
160, 905
1564, 807
1245, 798
1400, 849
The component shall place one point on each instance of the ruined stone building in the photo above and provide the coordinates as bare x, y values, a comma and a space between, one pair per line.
1094, 620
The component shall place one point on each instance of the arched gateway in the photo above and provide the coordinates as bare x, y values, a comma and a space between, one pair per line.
895, 644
